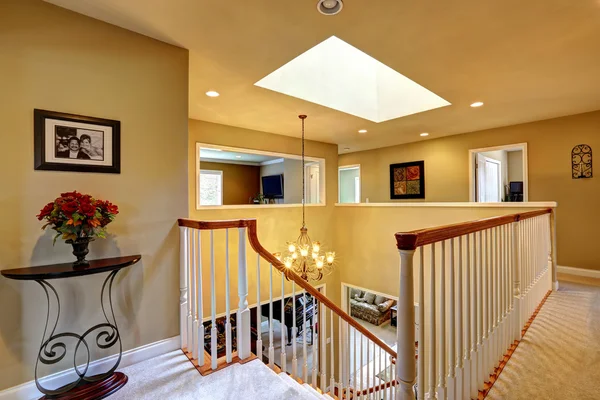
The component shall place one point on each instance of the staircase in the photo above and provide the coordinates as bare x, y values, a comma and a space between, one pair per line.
477, 284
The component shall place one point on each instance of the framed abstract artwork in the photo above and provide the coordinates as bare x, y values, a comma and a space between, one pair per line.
407, 180
68, 142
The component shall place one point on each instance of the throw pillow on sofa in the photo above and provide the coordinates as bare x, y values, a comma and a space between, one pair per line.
369, 298
383, 307
355, 293
379, 300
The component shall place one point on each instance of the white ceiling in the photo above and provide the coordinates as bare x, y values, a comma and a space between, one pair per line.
526, 60
207, 155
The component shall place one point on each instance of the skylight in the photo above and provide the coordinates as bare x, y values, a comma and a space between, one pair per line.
337, 75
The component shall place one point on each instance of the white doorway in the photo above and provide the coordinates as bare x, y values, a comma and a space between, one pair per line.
498, 174
313, 184
349, 184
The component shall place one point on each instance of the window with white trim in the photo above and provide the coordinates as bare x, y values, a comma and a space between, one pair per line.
211, 188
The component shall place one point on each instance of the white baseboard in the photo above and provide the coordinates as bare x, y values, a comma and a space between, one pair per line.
589, 273
28, 390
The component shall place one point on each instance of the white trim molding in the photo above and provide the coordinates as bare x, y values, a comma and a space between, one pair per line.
28, 390
535, 204
588, 273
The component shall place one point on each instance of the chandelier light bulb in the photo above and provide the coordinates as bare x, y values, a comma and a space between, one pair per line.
330, 257
294, 256
287, 262
304, 250
320, 262
316, 247
291, 247
315, 255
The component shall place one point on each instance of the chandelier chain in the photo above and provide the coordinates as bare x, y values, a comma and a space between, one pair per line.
303, 117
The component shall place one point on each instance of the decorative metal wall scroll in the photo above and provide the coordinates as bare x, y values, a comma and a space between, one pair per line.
581, 161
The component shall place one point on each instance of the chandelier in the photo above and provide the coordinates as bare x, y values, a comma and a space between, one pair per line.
304, 256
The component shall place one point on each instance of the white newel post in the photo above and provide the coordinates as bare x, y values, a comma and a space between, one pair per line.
183, 283
516, 265
243, 313
405, 328
553, 259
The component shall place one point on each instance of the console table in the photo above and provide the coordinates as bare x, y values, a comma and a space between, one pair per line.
53, 348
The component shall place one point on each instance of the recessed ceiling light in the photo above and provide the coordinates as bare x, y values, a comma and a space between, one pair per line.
346, 148
424, 134
330, 7
477, 104
212, 93
362, 131
238, 156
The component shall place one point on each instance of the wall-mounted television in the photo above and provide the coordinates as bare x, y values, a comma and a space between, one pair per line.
273, 186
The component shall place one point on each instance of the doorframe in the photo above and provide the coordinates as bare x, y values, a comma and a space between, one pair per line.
350, 166
507, 147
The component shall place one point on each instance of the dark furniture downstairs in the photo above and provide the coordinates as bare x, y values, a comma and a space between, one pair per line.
288, 314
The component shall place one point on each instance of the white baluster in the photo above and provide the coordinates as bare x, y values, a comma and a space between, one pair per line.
341, 359
331, 347
479, 299
441, 389
421, 340
432, 330
552, 244
323, 346
354, 358
197, 310
369, 366
191, 299
362, 375
460, 323
314, 342
243, 317
271, 345
304, 350
259, 342
486, 307
282, 325
228, 346
451, 390
183, 286
199, 331
516, 273
386, 380
471, 327
213, 305
294, 332
405, 327
381, 371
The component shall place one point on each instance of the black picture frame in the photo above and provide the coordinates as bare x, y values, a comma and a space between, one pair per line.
394, 195
40, 143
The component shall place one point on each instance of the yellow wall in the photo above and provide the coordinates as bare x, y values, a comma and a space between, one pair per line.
549, 163
58, 60
240, 182
276, 223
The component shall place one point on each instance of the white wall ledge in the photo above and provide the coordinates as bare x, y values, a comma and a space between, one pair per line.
253, 206
534, 204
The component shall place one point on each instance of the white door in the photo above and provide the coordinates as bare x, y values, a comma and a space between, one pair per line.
312, 186
489, 180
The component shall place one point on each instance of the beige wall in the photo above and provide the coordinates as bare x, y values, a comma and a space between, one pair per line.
276, 224
515, 165
549, 150
59, 60
240, 182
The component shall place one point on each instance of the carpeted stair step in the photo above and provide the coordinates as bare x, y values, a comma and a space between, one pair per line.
294, 384
313, 391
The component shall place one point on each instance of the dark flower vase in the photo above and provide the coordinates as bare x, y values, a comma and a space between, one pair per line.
80, 250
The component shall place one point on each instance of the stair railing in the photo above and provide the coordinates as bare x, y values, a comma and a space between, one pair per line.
477, 284
330, 350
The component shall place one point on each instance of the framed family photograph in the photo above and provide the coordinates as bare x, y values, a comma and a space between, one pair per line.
68, 142
407, 180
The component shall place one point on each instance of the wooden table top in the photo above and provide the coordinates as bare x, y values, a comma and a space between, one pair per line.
66, 270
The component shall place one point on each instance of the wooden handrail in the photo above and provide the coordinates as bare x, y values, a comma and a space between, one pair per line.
288, 273
291, 275
414, 239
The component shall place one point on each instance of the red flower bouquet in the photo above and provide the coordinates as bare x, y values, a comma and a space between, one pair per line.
78, 217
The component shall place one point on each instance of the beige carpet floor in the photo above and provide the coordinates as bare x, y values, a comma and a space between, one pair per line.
559, 357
